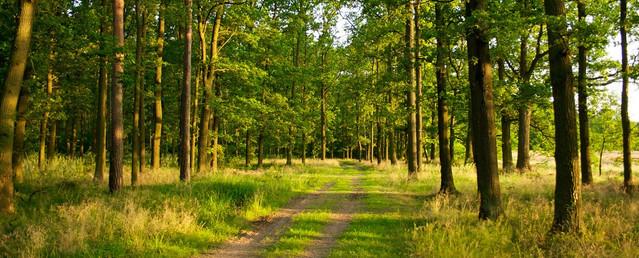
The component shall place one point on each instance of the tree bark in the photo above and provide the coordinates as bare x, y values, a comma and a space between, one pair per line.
584, 124
482, 112
19, 135
506, 148
157, 132
117, 95
185, 108
44, 124
625, 120
411, 148
446, 170
419, 86
10, 94
567, 186
101, 126
247, 149
136, 163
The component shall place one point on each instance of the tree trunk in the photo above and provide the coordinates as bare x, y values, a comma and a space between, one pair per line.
446, 171
482, 112
247, 145
411, 148
44, 124
523, 146
506, 149
19, 135
468, 144
117, 95
567, 186
157, 132
137, 93
625, 120
52, 141
584, 130
260, 148
10, 94
185, 108
419, 86
101, 126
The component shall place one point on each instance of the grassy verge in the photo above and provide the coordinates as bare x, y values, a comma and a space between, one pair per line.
62, 213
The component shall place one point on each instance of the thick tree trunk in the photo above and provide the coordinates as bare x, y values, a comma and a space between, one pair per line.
101, 126
523, 146
411, 130
567, 186
482, 113
584, 124
625, 120
10, 94
506, 147
446, 170
117, 96
185, 108
157, 131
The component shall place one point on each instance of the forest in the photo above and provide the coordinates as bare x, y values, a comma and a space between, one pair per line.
319, 128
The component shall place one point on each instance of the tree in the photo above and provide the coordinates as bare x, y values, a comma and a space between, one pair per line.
117, 96
157, 108
625, 120
101, 126
10, 94
446, 169
584, 131
409, 56
185, 109
567, 186
482, 112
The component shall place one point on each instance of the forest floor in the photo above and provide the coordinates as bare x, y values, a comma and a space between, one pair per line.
323, 209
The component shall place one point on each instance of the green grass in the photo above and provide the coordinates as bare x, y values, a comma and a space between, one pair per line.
62, 213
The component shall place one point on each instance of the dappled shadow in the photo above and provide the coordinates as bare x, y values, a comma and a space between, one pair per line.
352, 164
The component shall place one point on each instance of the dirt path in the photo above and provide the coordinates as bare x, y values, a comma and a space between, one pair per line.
340, 219
252, 243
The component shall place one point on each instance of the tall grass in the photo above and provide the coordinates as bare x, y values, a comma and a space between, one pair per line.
62, 213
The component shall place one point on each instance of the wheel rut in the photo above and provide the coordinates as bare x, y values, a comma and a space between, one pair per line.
268, 230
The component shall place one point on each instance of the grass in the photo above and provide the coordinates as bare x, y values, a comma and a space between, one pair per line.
62, 213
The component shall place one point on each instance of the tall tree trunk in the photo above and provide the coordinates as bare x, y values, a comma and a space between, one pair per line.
324, 104
452, 137
419, 86
482, 112
468, 143
44, 124
117, 95
10, 94
19, 135
525, 110
185, 109
411, 148
584, 124
625, 120
506, 145
446, 170
157, 132
137, 92
567, 186
101, 126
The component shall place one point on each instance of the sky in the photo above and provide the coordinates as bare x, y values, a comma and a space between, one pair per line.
613, 51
